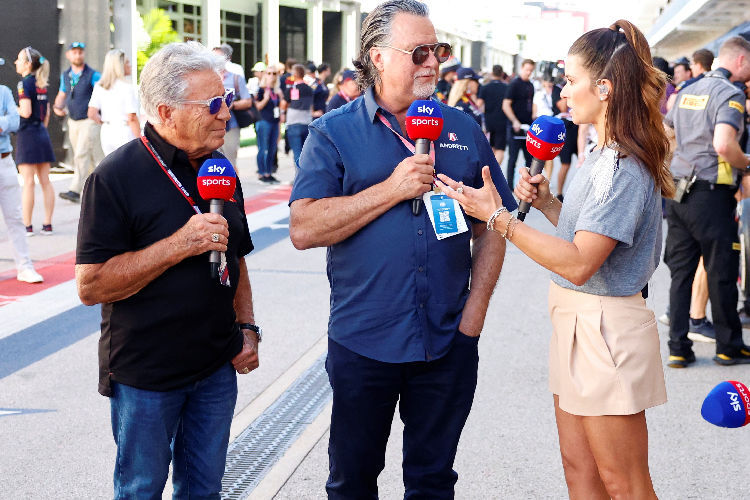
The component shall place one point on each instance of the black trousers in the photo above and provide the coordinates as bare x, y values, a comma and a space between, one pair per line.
704, 224
514, 146
434, 401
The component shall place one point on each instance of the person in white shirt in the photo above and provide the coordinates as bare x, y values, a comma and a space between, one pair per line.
543, 105
114, 103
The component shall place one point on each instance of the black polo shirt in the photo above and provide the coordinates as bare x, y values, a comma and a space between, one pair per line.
180, 327
493, 94
521, 93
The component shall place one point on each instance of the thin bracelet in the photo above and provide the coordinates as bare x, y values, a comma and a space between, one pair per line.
549, 205
491, 220
513, 228
507, 226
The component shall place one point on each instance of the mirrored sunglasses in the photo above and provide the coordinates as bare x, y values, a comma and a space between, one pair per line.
214, 104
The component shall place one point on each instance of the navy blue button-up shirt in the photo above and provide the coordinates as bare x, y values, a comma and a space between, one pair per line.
397, 292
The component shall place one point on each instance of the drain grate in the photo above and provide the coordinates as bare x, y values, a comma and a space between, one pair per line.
263, 443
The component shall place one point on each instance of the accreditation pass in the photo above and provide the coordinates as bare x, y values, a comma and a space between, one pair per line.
445, 214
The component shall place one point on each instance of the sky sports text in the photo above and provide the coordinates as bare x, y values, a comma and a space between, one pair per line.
417, 121
426, 109
218, 169
216, 181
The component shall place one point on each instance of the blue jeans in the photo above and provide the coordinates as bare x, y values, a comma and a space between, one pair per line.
188, 426
297, 135
267, 135
434, 399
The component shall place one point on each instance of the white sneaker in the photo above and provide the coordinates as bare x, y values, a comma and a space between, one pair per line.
29, 275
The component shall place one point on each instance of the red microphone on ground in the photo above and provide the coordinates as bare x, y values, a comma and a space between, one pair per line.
216, 182
424, 123
544, 140
727, 405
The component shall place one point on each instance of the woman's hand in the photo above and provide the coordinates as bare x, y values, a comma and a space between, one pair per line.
478, 203
539, 196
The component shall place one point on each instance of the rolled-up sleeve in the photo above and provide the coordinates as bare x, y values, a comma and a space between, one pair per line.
321, 170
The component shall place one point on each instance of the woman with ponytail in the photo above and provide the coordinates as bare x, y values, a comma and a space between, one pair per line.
605, 365
33, 146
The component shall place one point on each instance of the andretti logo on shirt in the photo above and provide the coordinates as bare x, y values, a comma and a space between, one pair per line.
453, 145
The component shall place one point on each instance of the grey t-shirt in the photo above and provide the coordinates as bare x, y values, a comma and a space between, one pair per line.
630, 213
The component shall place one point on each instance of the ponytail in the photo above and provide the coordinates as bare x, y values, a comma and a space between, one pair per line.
42, 74
621, 55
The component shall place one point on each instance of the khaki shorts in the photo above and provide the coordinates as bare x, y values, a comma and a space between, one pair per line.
604, 354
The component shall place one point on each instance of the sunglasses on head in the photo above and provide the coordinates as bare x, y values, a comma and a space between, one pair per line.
214, 104
77, 45
420, 53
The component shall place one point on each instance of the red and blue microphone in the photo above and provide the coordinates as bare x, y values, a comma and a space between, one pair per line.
424, 123
727, 405
544, 140
216, 182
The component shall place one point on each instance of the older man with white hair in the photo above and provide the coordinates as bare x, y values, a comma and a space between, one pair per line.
172, 335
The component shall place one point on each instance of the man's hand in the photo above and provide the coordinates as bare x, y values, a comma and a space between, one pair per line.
516, 126
412, 177
59, 111
195, 237
247, 360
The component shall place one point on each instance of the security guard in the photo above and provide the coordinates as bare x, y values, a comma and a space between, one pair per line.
707, 120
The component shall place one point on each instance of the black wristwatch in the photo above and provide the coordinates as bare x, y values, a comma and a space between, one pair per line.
249, 326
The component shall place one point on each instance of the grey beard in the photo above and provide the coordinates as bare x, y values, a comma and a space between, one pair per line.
423, 91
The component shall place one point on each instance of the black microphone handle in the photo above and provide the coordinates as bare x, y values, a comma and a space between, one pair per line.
214, 258
537, 166
423, 148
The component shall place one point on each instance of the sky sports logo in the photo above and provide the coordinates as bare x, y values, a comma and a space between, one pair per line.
216, 181
417, 121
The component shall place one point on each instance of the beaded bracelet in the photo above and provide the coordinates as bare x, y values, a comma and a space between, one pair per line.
513, 228
507, 226
491, 220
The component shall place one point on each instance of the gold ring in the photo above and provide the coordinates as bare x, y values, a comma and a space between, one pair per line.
215, 237
246, 370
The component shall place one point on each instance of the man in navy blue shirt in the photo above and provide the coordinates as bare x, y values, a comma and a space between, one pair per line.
404, 323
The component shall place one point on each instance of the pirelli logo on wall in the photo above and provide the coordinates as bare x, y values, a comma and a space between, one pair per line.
694, 102
735, 105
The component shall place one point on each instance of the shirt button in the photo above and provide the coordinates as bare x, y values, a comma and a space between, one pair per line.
419, 232
420, 268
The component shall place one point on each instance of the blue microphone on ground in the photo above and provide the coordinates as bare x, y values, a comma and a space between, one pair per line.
727, 405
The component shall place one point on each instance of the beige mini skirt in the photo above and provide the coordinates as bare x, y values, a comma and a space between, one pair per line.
604, 354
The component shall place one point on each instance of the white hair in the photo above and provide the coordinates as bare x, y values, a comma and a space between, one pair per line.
164, 77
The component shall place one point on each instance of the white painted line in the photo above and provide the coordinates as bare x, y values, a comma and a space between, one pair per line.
277, 477
30, 310
267, 216
6, 412
266, 398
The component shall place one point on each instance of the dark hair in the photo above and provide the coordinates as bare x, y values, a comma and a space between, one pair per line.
704, 57
497, 71
289, 63
527, 61
323, 66
662, 65
621, 55
376, 31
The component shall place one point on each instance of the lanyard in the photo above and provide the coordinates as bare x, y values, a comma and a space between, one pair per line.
170, 174
406, 143
344, 96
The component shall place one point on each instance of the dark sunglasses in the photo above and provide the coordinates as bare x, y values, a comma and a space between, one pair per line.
420, 53
214, 104
77, 45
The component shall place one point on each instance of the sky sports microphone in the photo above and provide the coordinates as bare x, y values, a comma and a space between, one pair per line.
424, 123
544, 140
727, 405
216, 182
